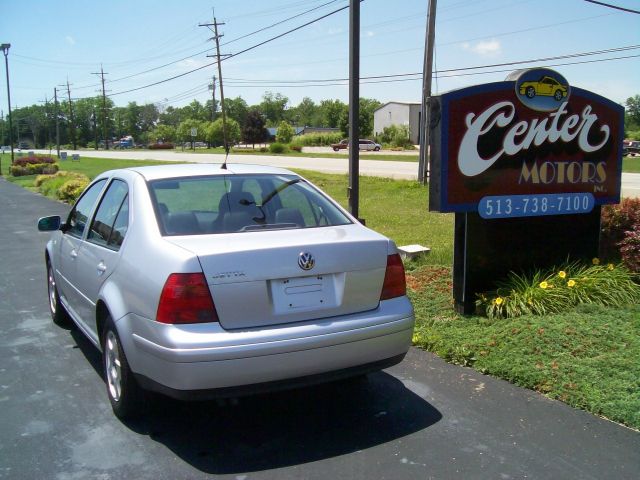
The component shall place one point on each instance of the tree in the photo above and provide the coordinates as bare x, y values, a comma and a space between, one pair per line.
365, 117
237, 109
285, 132
273, 106
253, 130
632, 117
215, 134
306, 113
184, 131
163, 133
196, 111
331, 112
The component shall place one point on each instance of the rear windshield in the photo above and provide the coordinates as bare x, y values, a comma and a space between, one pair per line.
240, 203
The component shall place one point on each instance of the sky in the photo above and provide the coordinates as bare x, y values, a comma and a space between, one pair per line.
141, 42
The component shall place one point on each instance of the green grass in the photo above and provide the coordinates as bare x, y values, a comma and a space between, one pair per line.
631, 164
587, 357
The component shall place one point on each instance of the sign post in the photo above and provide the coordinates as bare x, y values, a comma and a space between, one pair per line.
525, 164
194, 134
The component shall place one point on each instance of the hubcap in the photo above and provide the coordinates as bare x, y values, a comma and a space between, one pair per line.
52, 292
112, 366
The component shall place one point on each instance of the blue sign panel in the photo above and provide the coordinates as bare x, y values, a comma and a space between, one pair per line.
509, 206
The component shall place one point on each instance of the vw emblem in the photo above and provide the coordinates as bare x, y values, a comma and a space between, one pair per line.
306, 261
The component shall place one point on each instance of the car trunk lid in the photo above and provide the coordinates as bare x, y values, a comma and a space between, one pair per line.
259, 278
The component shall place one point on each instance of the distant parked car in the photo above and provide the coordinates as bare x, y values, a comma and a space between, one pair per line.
362, 145
197, 281
630, 147
342, 145
369, 145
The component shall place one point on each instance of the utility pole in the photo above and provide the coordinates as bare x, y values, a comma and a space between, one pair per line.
5, 50
427, 75
73, 122
2, 139
46, 120
212, 87
353, 192
104, 108
55, 98
95, 128
216, 37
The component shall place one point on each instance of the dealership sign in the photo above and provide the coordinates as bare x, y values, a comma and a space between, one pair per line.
528, 146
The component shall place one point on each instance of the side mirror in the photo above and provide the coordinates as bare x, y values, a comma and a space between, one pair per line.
49, 224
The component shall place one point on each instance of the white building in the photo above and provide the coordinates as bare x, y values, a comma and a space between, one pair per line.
399, 113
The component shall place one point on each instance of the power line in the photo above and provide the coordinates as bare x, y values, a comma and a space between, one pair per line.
234, 54
608, 5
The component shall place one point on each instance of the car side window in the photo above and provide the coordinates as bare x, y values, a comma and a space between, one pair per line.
111, 219
77, 220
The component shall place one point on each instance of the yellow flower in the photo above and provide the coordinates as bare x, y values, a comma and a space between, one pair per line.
595, 261
543, 285
530, 302
610, 266
571, 283
562, 274
499, 301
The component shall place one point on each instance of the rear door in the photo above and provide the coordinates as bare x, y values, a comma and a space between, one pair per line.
100, 252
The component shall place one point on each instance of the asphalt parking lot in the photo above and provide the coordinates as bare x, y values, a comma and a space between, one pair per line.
422, 418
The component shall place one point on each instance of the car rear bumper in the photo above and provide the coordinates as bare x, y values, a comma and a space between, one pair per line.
178, 360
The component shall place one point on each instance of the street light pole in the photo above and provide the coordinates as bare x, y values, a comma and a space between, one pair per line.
5, 49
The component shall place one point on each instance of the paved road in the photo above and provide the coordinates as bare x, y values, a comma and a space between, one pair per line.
421, 419
375, 168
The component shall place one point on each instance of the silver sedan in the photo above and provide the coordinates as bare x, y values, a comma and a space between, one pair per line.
197, 281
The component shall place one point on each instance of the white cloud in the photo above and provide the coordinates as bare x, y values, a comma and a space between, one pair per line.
70, 40
486, 48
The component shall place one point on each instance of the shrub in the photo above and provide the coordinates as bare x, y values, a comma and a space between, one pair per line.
264, 149
397, 136
316, 139
630, 248
71, 190
277, 148
554, 290
33, 160
52, 185
285, 132
617, 224
161, 146
296, 148
33, 169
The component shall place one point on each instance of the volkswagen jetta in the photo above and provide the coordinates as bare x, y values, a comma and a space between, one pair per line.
197, 281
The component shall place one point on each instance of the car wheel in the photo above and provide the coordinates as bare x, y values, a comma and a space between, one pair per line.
377, 149
336, 149
58, 313
530, 92
124, 393
558, 95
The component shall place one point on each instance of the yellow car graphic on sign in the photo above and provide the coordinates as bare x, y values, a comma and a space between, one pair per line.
546, 86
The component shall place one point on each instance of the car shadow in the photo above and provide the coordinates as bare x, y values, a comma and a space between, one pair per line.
281, 429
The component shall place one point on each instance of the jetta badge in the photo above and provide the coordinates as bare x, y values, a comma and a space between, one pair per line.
306, 261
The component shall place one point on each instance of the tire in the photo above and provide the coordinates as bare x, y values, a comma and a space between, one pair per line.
336, 149
558, 95
377, 149
58, 314
530, 92
125, 395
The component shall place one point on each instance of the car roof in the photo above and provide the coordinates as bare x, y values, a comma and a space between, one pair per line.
201, 169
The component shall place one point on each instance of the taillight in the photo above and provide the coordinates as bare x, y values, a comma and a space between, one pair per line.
394, 282
185, 298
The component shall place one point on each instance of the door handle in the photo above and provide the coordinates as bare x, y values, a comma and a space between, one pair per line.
101, 268
73, 254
